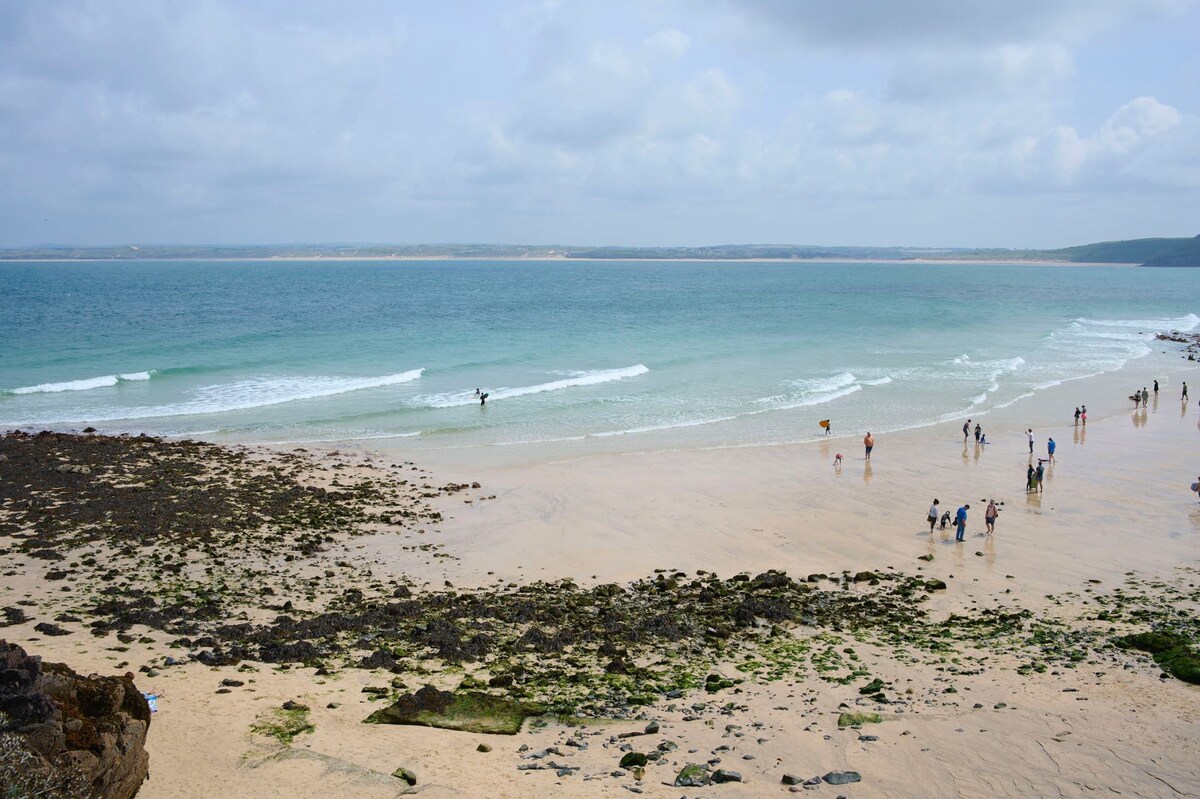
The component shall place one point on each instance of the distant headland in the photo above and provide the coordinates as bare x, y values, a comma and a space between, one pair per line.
1139, 252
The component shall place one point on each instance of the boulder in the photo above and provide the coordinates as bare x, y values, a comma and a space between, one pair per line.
81, 735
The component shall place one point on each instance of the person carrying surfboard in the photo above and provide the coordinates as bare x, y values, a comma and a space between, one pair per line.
828, 427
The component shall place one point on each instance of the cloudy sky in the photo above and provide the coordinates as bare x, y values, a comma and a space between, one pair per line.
650, 122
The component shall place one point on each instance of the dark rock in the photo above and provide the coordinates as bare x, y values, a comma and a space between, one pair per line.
791, 779
89, 729
406, 775
652, 728
935, 585
693, 775
290, 705
483, 748
842, 777
46, 628
725, 775
229, 682
467, 711
633, 760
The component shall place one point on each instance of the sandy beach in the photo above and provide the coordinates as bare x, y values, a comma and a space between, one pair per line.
1115, 516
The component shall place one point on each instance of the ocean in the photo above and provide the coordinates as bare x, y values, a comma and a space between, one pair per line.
575, 356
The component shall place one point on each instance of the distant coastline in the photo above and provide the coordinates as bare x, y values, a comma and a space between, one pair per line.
1136, 252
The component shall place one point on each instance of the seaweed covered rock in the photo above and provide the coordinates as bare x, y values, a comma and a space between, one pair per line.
1172, 652
466, 711
67, 734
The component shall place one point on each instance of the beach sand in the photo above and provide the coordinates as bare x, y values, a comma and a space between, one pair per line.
1116, 503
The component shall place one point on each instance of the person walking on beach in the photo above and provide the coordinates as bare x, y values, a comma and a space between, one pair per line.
1029, 479
1038, 475
960, 522
827, 425
1145, 396
978, 432
989, 516
869, 443
1029, 433
1050, 447
1077, 416
1156, 388
933, 515
1184, 397
1084, 416
966, 430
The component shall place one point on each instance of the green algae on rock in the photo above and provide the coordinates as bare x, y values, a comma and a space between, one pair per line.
1172, 652
466, 712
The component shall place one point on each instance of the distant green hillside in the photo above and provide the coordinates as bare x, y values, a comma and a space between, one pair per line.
1131, 251
1186, 253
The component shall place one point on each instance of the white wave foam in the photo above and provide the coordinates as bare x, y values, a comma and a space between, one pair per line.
240, 396
666, 426
883, 381
1183, 324
819, 399
81, 385
820, 384
457, 398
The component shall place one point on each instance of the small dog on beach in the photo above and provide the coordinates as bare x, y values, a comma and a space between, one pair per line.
837, 460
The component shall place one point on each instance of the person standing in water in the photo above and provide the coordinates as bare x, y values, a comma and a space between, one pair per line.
960, 523
933, 515
1029, 433
483, 399
978, 432
1029, 479
966, 430
1156, 388
1038, 475
1076, 415
989, 516
869, 443
1050, 447
1084, 416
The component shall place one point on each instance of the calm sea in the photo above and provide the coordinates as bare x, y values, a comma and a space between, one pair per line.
602, 355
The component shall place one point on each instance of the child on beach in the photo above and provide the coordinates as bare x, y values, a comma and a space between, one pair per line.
837, 461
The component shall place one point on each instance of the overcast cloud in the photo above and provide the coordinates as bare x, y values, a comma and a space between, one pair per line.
932, 122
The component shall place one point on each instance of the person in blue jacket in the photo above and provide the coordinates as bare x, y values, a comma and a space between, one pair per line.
960, 522
1050, 447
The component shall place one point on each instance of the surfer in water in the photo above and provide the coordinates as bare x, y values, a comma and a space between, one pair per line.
483, 398
828, 427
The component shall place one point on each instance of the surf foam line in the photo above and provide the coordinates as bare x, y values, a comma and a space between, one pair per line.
86, 384
239, 396
592, 378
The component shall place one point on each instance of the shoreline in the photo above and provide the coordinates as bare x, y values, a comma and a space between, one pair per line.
1114, 529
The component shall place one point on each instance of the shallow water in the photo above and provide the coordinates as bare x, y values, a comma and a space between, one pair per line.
591, 355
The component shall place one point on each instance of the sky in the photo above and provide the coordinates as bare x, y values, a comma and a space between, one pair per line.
965, 123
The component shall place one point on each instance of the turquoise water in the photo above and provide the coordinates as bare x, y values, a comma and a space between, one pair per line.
626, 355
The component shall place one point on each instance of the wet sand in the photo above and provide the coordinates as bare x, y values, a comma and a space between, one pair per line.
1115, 503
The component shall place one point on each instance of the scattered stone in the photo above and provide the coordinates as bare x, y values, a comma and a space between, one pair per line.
632, 760
725, 775
842, 777
483, 748
693, 775
406, 775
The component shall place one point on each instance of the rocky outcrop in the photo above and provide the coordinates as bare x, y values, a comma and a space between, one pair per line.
75, 735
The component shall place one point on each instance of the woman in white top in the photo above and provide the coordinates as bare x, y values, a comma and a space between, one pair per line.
933, 515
